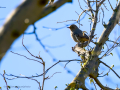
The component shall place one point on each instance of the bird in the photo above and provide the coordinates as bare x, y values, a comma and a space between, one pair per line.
77, 34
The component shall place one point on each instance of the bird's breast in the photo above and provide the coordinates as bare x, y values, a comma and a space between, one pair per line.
74, 37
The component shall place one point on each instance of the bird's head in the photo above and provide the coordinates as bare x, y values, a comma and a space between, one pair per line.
72, 27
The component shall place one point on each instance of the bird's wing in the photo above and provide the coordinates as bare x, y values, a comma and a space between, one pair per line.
81, 35
75, 37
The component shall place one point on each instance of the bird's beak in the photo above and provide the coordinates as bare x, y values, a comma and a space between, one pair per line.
68, 27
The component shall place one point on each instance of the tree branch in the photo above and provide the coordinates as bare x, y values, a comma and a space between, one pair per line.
111, 24
24, 15
90, 67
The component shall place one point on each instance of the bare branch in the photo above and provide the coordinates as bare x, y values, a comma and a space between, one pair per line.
26, 57
110, 68
5, 80
91, 64
100, 3
90, 8
111, 24
17, 22
43, 75
15, 77
105, 6
95, 85
52, 75
109, 50
110, 5
101, 86
36, 81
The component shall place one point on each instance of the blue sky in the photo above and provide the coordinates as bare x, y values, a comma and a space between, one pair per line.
58, 45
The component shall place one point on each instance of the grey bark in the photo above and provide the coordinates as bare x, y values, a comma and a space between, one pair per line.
24, 15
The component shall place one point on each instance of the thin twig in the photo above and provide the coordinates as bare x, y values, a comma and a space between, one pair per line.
99, 18
5, 80
29, 51
105, 74
95, 85
105, 6
42, 73
109, 50
84, 10
52, 75
100, 3
110, 68
36, 81
90, 8
66, 21
85, 1
110, 5
26, 57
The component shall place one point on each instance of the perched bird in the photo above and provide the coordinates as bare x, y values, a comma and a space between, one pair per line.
77, 35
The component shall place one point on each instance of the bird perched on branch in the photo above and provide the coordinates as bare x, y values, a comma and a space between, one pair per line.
77, 35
